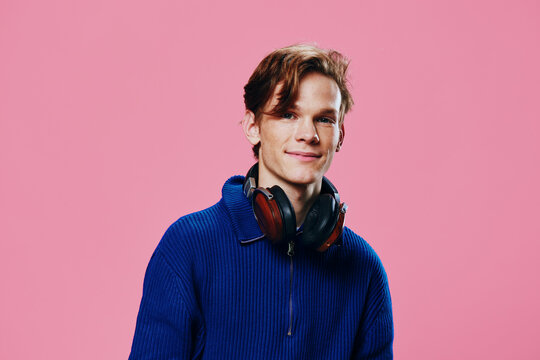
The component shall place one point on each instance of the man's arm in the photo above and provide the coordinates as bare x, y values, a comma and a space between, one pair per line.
168, 325
376, 335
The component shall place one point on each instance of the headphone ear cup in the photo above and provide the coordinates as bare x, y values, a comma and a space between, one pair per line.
320, 221
287, 212
268, 216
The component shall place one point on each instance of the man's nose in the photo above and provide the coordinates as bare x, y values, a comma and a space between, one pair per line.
306, 131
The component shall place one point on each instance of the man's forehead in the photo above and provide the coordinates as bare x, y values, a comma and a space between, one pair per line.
329, 102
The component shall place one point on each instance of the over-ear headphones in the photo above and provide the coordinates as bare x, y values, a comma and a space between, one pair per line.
276, 217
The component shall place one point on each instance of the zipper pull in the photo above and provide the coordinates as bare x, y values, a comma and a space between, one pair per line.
290, 251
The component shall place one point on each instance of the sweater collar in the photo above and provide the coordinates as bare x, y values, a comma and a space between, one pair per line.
239, 208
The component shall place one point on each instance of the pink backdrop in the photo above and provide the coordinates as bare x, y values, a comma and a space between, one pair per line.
118, 117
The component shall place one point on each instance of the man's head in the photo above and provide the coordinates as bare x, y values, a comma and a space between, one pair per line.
283, 70
295, 105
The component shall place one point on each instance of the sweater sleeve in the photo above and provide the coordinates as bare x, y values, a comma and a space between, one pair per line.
376, 335
167, 325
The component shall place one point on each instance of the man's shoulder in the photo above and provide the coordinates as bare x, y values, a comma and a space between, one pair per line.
360, 250
194, 222
355, 242
212, 217
194, 228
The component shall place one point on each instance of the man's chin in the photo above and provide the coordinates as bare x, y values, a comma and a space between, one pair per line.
303, 179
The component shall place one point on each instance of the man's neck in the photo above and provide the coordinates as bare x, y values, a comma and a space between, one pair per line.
301, 196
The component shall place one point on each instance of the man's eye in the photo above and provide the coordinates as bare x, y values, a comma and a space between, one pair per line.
326, 120
288, 116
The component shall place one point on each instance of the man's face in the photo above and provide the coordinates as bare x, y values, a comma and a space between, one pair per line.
298, 146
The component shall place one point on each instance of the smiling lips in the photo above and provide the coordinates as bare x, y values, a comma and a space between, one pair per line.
303, 156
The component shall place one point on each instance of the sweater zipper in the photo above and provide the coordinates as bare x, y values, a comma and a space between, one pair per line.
290, 252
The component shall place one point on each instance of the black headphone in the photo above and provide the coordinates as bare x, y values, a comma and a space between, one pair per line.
276, 217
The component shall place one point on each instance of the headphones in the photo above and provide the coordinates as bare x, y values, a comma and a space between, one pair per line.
275, 215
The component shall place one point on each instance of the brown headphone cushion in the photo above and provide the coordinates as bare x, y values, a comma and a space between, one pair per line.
268, 217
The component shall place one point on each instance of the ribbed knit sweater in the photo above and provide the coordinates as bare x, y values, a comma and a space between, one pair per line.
215, 288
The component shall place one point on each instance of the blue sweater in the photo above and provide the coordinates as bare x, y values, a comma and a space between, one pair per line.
216, 289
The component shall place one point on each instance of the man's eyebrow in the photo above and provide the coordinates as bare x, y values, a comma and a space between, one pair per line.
326, 111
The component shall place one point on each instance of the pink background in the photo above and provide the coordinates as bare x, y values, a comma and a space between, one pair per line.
118, 117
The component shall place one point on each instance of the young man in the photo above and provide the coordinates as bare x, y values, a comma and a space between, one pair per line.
269, 272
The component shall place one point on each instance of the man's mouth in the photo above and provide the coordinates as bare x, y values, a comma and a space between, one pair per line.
303, 156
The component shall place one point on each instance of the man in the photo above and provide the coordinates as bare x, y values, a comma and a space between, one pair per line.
269, 272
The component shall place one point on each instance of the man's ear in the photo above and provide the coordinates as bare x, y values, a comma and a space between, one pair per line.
251, 128
341, 137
